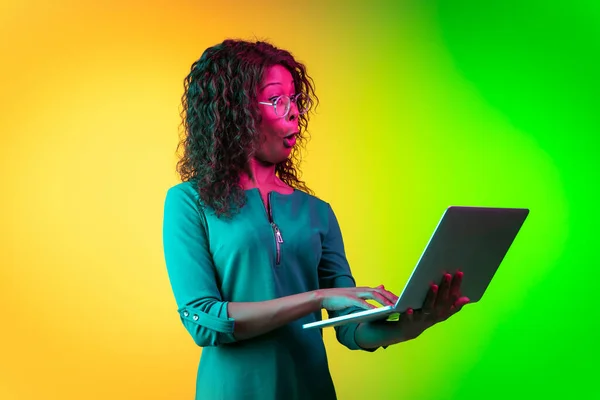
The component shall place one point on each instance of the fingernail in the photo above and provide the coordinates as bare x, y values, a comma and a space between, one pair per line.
434, 288
448, 277
409, 311
460, 274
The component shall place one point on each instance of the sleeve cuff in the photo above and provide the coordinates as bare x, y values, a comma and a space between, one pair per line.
217, 324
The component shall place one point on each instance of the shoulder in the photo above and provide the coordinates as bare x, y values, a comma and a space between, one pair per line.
318, 207
183, 189
311, 199
182, 195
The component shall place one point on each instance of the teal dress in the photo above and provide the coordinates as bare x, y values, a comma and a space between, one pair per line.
255, 256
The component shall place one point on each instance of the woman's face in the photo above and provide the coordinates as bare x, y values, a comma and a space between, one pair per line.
277, 134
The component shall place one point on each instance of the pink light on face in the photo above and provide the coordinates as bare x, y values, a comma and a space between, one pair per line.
274, 129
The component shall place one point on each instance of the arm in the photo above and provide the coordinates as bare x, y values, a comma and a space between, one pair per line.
210, 320
191, 271
371, 335
256, 318
334, 271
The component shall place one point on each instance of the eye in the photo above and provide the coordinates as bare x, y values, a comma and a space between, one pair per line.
274, 99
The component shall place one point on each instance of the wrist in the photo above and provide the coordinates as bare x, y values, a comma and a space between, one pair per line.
374, 334
316, 298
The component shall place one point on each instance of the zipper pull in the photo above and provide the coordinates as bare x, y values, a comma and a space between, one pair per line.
278, 236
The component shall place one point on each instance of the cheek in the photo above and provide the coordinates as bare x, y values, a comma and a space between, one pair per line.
269, 141
269, 126
270, 132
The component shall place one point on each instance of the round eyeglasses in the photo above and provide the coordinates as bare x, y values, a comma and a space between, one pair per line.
282, 104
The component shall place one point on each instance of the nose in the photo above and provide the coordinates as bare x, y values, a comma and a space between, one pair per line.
293, 113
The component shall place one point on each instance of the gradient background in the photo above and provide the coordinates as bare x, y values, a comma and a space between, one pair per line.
424, 104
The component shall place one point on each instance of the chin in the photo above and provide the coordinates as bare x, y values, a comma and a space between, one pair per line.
272, 160
281, 160
275, 157
285, 156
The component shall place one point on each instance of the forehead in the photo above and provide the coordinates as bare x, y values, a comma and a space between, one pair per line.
277, 74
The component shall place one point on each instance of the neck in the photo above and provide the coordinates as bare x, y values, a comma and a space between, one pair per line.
262, 174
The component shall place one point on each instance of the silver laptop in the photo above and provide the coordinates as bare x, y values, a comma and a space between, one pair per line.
473, 240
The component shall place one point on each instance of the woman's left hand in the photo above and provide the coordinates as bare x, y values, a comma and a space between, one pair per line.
440, 304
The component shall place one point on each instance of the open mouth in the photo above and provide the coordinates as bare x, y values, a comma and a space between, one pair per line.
290, 140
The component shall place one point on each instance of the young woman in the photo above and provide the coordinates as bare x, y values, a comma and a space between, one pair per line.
251, 253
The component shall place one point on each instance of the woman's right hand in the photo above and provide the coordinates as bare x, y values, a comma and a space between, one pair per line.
337, 299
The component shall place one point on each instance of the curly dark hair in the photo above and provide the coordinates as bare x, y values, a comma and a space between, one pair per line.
220, 116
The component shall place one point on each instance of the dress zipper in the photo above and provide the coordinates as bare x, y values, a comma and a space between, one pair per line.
276, 231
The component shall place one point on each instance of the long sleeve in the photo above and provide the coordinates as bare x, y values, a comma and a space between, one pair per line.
334, 272
191, 270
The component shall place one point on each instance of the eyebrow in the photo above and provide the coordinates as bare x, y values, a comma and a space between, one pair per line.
273, 83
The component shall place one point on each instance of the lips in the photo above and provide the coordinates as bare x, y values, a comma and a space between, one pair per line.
290, 140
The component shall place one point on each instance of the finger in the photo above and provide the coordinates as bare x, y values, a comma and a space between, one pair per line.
357, 301
391, 297
430, 300
461, 302
424, 317
409, 315
378, 297
458, 305
373, 294
455, 286
442, 299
